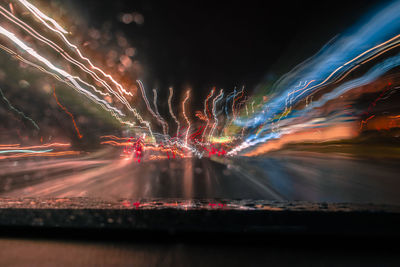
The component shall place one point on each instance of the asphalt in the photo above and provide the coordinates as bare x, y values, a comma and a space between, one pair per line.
311, 177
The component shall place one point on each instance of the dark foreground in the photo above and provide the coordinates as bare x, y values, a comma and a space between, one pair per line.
86, 232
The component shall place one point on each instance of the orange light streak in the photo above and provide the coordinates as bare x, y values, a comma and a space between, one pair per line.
9, 145
115, 137
45, 154
363, 122
14, 146
69, 113
184, 114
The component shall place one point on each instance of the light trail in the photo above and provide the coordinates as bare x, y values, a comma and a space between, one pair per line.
228, 98
74, 81
114, 137
69, 113
42, 17
301, 99
235, 99
61, 32
200, 115
363, 122
56, 48
77, 82
9, 145
371, 39
186, 118
115, 143
205, 112
20, 58
13, 146
80, 65
215, 101
24, 151
50, 65
11, 107
227, 118
44, 154
171, 93
163, 123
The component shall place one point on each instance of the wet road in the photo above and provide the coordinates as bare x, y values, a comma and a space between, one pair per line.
304, 177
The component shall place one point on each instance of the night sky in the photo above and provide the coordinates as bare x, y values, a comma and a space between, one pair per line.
218, 43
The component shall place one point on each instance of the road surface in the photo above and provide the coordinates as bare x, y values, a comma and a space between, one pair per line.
291, 177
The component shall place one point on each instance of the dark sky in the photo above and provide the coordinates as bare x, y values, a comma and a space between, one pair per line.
225, 43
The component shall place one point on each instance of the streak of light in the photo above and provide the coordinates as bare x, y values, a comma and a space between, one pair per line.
20, 58
42, 17
145, 147
9, 145
331, 62
184, 115
295, 91
11, 8
115, 137
65, 55
63, 73
13, 146
221, 139
11, 107
373, 74
336, 132
229, 97
45, 154
215, 101
58, 49
371, 58
347, 63
163, 149
115, 143
154, 157
205, 111
365, 121
80, 65
69, 113
24, 151
171, 93
59, 30
160, 119
200, 115
146, 101
364, 62
198, 132
235, 99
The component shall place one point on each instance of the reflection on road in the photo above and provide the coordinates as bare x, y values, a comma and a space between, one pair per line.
283, 177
